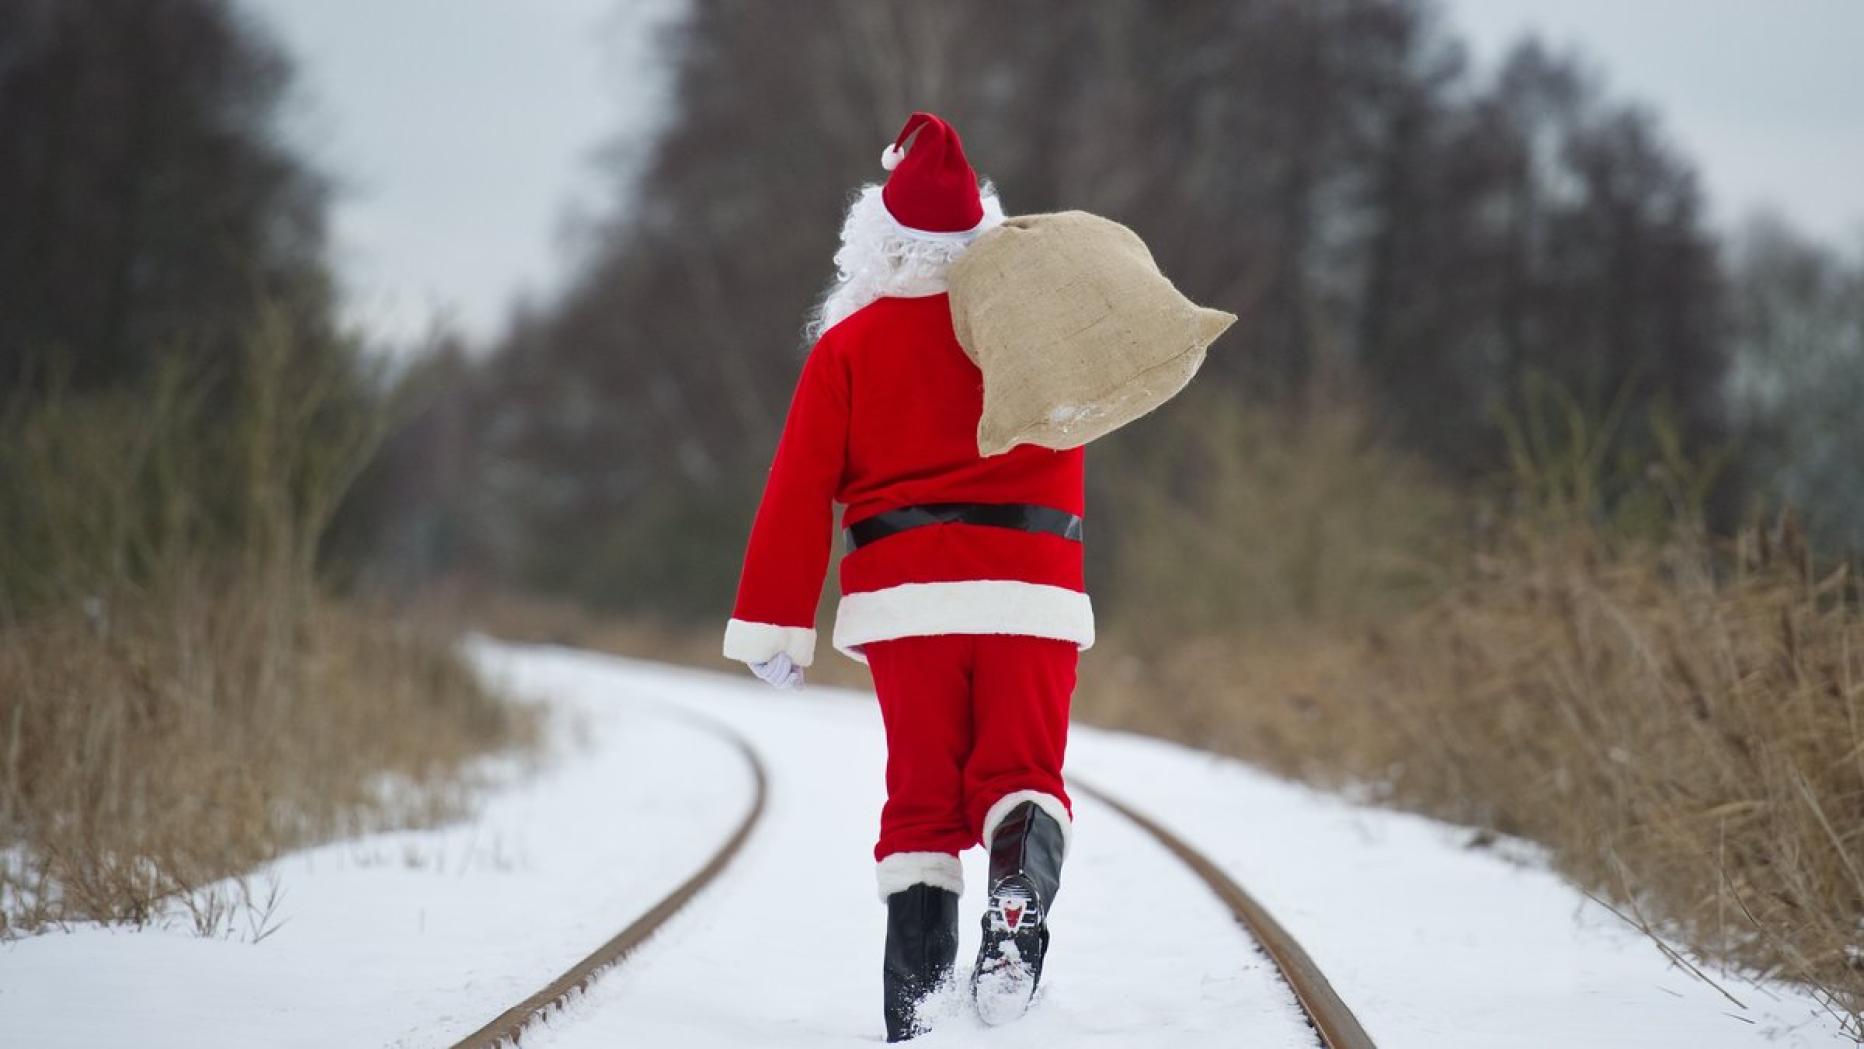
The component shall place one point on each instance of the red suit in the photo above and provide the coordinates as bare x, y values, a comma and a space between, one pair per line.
971, 630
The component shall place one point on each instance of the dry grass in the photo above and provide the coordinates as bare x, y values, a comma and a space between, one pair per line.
1237, 514
153, 747
1682, 726
179, 700
1689, 744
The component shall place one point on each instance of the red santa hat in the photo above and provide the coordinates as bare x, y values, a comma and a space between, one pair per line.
932, 188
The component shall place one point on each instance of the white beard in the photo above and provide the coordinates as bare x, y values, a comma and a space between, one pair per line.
880, 258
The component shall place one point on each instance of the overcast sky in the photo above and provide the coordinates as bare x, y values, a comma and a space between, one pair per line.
464, 133
462, 151
1767, 96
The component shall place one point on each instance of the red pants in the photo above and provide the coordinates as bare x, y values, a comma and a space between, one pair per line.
970, 719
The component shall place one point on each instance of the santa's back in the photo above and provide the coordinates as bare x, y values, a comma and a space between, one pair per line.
937, 539
913, 405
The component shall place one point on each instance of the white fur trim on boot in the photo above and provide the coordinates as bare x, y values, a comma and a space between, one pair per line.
1048, 803
749, 642
903, 870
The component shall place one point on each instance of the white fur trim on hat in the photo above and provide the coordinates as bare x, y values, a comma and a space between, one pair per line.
750, 642
903, 870
984, 225
1048, 803
972, 606
891, 156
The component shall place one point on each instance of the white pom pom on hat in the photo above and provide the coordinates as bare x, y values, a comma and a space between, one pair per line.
891, 156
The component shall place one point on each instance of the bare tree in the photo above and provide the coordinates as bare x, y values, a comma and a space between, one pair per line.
1798, 376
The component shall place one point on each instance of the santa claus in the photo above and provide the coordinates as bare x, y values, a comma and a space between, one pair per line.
961, 585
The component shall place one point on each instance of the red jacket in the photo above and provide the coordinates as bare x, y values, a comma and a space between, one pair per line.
885, 416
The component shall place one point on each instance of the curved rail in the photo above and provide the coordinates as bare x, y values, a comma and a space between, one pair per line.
1336, 1025
509, 1027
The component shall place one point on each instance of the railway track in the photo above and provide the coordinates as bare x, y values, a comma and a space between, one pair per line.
1333, 1024
508, 1028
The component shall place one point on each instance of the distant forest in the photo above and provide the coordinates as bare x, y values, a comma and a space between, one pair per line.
1388, 223
1451, 251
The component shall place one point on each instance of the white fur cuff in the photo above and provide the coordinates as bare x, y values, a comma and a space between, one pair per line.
749, 642
903, 870
1048, 803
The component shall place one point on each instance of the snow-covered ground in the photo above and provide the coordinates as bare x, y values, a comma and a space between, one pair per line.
414, 939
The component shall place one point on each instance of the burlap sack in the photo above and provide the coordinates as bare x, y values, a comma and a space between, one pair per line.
1075, 329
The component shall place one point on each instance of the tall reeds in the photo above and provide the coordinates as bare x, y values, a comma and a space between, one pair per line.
179, 700
1680, 719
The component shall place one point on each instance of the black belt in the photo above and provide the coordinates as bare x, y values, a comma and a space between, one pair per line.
1023, 517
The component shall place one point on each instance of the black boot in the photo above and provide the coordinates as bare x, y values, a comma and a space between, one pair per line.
1025, 872
922, 947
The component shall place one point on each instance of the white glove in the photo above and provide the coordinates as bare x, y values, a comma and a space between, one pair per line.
778, 671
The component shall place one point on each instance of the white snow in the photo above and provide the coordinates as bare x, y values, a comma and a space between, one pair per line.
1434, 944
786, 952
415, 939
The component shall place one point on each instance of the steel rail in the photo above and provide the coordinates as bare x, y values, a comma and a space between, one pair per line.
1332, 1021
508, 1028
